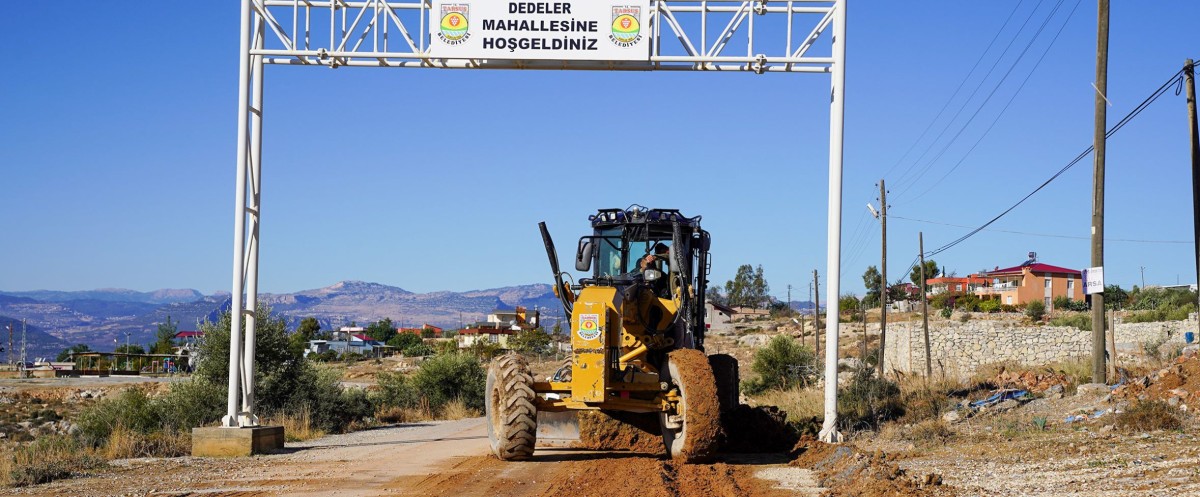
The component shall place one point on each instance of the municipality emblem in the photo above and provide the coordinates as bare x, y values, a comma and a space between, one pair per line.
626, 30
589, 326
455, 21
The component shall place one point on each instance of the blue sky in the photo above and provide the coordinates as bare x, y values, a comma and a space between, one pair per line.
118, 129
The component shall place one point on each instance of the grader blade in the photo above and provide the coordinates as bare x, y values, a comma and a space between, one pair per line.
558, 427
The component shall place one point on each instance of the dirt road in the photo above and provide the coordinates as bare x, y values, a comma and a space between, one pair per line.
437, 458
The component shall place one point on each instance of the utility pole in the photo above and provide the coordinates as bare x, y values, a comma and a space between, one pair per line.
883, 281
817, 315
22, 344
925, 306
1189, 70
1102, 84
1099, 142
789, 297
810, 301
10, 343
1143, 270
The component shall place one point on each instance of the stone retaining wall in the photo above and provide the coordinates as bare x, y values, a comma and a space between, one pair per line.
958, 349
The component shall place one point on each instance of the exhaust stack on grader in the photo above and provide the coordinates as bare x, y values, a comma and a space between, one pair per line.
637, 336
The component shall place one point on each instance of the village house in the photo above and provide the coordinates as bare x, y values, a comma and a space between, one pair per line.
350, 339
1019, 285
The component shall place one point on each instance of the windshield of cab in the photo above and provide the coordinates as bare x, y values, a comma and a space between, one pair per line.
611, 259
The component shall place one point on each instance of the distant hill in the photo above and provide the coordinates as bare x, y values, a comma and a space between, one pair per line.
100, 318
164, 296
38, 343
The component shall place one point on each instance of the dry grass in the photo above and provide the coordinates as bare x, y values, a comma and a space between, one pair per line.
46, 459
801, 404
457, 409
125, 443
394, 414
926, 399
297, 427
1149, 416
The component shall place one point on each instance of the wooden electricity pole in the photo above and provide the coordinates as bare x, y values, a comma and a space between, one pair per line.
817, 314
1099, 139
1188, 74
883, 281
925, 306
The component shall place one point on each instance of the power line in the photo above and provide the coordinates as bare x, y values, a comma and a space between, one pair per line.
974, 92
1006, 105
1048, 235
962, 83
912, 182
1128, 117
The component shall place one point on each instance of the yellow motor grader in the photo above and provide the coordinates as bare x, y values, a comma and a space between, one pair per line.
637, 339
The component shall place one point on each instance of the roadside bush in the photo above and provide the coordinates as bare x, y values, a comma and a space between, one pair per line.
1008, 308
441, 380
131, 409
782, 364
868, 401
1149, 416
190, 404
327, 356
1035, 310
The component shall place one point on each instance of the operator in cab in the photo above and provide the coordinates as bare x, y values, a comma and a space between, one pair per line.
657, 260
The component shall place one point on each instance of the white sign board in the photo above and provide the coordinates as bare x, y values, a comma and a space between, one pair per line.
1093, 280
565, 30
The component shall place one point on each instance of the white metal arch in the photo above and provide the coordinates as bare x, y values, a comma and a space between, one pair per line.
768, 36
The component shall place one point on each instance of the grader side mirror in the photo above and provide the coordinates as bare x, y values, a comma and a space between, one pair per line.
583, 257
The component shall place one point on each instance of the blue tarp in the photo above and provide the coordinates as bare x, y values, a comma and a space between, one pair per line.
999, 397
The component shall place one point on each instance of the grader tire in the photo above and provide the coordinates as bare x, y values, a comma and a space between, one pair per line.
511, 412
698, 410
725, 371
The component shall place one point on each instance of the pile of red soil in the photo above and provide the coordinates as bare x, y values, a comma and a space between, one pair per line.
1179, 381
846, 471
1033, 381
599, 430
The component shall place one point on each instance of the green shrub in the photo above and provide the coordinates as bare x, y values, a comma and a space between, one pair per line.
1035, 310
989, 306
405, 340
1080, 321
1008, 308
418, 350
782, 364
191, 403
868, 401
131, 409
441, 379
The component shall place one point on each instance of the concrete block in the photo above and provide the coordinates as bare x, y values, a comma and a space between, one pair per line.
236, 442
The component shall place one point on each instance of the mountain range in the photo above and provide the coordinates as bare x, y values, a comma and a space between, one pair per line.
102, 318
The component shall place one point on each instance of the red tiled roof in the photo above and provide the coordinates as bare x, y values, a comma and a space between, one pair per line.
1036, 267
189, 334
363, 337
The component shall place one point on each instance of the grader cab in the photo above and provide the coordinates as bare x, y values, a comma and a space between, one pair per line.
637, 338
